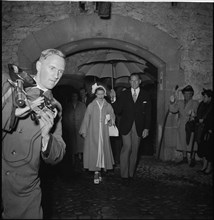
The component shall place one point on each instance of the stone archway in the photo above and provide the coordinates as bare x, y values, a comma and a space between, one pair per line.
89, 31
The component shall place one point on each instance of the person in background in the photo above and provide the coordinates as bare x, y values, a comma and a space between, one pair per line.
134, 108
83, 95
186, 110
90, 96
97, 154
23, 148
204, 120
75, 116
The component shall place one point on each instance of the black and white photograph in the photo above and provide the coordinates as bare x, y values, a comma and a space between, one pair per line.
107, 109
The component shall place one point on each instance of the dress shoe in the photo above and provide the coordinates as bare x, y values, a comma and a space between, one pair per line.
96, 178
100, 177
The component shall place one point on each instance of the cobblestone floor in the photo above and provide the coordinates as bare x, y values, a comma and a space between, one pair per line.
160, 190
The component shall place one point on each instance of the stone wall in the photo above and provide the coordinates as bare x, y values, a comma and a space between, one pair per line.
190, 23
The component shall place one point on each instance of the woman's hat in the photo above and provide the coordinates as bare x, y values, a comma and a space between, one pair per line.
207, 92
187, 89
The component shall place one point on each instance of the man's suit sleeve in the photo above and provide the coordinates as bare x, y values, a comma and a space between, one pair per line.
118, 105
148, 113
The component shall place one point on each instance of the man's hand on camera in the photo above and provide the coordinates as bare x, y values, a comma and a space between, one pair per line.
46, 121
21, 112
37, 102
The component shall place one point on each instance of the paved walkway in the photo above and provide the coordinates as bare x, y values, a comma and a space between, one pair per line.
160, 190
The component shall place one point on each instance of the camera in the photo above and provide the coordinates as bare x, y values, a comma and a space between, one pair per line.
47, 104
20, 96
25, 89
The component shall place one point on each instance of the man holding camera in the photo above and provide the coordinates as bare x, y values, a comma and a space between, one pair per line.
29, 141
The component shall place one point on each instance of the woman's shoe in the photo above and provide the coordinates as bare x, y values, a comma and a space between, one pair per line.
96, 178
207, 172
203, 169
100, 177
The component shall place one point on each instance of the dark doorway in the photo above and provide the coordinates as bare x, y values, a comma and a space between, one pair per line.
148, 145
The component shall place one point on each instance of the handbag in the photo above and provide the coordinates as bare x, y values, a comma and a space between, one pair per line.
113, 131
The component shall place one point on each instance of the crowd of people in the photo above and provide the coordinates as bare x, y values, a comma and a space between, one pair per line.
195, 128
81, 131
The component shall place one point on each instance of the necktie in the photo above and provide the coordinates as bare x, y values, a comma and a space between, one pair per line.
33, 93
48, 94
134, 95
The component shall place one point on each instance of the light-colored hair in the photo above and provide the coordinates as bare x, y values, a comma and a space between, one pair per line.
48, 52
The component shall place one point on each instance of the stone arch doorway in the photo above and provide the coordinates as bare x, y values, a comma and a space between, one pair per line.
80, 33
148, 146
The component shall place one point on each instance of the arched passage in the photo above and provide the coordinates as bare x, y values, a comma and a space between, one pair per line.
87, 32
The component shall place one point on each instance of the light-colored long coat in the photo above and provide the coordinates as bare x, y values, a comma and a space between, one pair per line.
21, 154
183, 116
97, 147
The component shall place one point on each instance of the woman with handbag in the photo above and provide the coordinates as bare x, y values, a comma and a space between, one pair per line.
204, 131
186, 109
97, 153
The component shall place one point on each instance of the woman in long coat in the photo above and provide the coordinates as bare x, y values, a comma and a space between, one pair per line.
97, 153
186, 110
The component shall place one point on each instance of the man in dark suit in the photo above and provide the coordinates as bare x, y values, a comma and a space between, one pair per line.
134, 107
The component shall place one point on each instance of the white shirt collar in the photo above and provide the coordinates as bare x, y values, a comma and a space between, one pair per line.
137, 90
41, 88
37, 86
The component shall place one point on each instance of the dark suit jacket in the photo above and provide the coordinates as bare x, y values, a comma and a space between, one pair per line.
140, 111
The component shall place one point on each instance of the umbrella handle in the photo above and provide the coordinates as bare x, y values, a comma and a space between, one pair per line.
112, 78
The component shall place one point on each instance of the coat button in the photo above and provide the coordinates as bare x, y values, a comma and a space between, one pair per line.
7, 173
13, 152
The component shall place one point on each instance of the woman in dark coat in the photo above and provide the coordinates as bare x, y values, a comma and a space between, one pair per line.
205, 140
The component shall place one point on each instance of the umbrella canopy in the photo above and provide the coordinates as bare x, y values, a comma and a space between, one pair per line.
113, 57
110, 64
